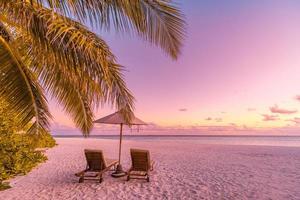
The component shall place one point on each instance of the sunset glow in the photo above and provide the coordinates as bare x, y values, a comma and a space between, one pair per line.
150, 99
240, 59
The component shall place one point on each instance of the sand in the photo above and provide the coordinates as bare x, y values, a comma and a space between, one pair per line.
183, 170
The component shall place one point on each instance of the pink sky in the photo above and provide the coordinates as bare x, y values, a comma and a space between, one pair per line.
239, 72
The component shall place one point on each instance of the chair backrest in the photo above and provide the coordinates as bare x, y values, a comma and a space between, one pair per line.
140, 159
95, 159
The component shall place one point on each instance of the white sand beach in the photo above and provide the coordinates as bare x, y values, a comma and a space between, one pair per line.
184, 169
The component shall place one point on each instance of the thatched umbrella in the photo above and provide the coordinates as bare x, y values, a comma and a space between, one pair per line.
117, 118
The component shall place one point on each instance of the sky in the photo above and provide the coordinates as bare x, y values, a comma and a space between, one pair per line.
239, 72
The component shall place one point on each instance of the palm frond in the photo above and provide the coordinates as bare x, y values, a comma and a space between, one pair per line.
76, 66
77, 91
75, 102
59, 62
21, 90
158, 21
4, 33
71, 41
120, 94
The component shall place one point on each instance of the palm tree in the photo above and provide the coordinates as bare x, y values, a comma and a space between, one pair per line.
45, 48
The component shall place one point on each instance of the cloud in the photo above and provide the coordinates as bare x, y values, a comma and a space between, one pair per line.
295, 120
276, 109
267, 117
58, 128
218, 119
251, 109
156, 129
297, 97
182, 109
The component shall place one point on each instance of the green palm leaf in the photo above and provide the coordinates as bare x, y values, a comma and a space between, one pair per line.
76, 66
21, 90
58, 79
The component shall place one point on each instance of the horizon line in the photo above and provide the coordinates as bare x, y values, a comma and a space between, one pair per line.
178, 135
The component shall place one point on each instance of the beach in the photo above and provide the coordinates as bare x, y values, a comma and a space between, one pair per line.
184, 169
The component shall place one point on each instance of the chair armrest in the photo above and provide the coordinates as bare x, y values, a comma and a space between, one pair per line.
81, 173
151, 165
110, 162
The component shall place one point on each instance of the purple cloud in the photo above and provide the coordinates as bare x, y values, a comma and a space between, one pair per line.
182, 109
276, 109
297, 97
267, 117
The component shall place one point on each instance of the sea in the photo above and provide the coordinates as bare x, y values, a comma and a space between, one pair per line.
263, 140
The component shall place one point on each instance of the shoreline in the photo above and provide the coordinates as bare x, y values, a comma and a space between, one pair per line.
212, 140
184, 170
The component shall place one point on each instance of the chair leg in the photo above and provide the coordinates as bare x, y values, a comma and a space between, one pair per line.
148, 177
81, 180
128, 174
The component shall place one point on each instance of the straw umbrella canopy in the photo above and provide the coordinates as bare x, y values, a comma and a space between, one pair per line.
117, 118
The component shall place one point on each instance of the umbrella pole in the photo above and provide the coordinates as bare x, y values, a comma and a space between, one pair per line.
120, 144
119, 171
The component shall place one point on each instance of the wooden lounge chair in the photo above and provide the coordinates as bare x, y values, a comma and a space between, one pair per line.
96, 165
141, 165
